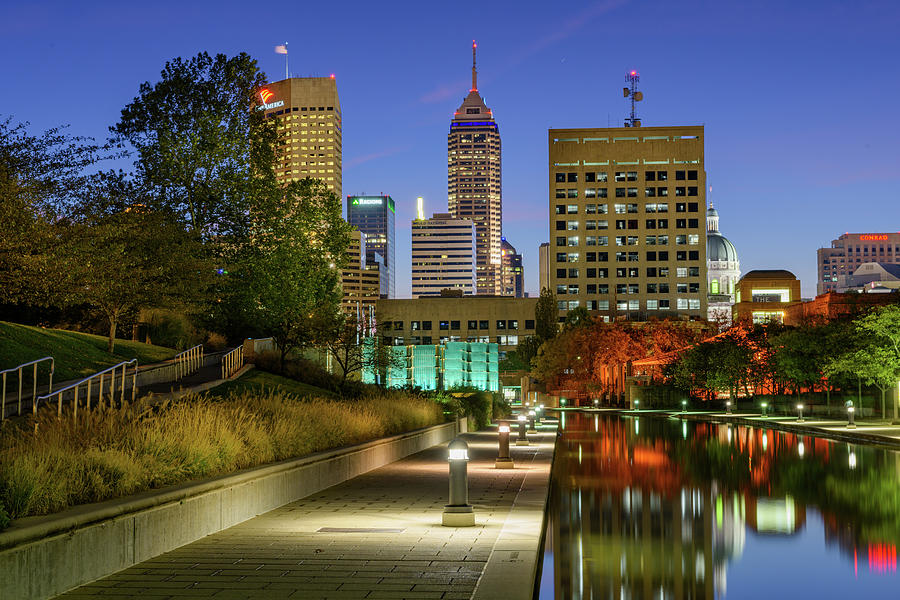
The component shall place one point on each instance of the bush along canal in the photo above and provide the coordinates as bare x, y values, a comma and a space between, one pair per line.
655, 507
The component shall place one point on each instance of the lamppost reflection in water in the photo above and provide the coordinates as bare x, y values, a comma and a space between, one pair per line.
647, 512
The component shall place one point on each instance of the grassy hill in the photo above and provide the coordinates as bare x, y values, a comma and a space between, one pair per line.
76, 354
257, 380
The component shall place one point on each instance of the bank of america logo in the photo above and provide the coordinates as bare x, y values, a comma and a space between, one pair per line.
265, 94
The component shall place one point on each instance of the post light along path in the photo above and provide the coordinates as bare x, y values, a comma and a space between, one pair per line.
522, 440
458, 512
503, 459
531, 417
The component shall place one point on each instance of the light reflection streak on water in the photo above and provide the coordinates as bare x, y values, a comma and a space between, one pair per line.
652, 512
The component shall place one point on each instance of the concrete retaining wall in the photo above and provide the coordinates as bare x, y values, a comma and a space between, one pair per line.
44, 556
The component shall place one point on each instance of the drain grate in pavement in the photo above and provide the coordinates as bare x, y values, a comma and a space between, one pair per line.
359, 530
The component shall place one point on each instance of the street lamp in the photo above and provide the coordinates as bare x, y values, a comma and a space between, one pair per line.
800, 411
531, 415
637, 404
503, 460
764, 406
522, 440
458, 512
596, 402
683, 405
728, 407
850, 411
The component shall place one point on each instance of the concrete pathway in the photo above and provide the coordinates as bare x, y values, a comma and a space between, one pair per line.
376, 536
865, 432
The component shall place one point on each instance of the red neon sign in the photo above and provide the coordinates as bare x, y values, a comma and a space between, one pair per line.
265, 95
873, 238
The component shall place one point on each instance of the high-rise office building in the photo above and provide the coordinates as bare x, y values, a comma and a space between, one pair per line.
851, 250
360, 281
512, 275
627, 233
443, 255
374, 216
309, 119
474, 184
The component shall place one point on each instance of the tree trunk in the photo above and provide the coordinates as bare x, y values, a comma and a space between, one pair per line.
111, 343
883, 409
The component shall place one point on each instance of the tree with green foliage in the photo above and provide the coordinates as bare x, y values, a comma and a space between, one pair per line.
121, 257
881, 337
578, 317
355, 346
798, 359
287, 280
40, 176
202, 150
546, 316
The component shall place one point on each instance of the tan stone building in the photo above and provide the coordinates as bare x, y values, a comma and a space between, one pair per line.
502, 320
849, 252
627, 227
309, 117
765, 295
361, 283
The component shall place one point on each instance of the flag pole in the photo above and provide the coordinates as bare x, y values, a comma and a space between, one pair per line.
286, 73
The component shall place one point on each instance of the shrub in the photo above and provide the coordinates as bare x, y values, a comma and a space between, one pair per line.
215, 341
476, 404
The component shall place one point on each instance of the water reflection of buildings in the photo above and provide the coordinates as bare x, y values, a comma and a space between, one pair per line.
662, 515
640, 530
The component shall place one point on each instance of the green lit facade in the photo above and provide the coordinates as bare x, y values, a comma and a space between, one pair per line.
444, 366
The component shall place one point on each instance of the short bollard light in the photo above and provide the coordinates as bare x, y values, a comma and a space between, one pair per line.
850, 411
683, 405
728, 406
503, 460
458, 512
637, 404
764, 406
540, 413
800, 413
596, 402
522, 440
531, 415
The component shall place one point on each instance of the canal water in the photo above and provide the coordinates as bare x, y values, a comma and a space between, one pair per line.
654, 507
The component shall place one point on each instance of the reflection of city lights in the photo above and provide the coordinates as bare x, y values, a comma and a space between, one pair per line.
684, 429
851, 460
801, 449
579, 454
637, 426
765, 441
729, 434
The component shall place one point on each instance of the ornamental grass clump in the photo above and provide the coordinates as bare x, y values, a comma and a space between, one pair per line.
49, 464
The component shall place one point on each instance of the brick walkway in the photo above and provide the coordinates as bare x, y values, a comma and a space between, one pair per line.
309, 549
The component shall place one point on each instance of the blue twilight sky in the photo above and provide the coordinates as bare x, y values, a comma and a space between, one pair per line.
799, 98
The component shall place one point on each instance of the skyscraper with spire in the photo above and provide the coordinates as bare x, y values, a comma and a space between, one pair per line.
474, 183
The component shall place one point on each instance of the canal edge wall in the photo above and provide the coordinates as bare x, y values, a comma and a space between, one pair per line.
41, 557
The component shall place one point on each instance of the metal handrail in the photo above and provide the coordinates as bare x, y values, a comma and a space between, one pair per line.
89, 379
188, 361
232, 361
34, 391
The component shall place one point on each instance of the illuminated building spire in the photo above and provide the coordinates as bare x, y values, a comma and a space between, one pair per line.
474, 72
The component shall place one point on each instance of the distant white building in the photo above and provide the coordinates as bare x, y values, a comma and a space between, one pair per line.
723, 271
443, 255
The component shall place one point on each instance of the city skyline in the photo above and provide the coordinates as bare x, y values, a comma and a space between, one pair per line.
783, 92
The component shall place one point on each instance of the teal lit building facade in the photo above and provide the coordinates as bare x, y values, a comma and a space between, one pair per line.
444, 366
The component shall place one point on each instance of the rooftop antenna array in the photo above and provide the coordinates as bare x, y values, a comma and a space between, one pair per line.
630, 91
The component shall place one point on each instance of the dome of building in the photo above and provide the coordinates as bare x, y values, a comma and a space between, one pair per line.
718, 247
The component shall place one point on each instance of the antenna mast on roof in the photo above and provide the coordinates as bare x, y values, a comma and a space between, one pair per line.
632, 78
474, 72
